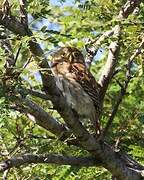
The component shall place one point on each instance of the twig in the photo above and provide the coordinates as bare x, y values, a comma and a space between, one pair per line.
40, 137
5, 174
26, 91
17, 54
115, 109
27, 62
119, 83
136, 53
105, 35
58, 33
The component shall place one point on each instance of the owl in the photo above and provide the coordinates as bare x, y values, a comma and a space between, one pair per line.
77, 84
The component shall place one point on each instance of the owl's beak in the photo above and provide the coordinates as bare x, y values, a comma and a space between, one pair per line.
52, 64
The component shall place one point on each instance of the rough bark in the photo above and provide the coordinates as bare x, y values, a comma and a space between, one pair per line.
48, 158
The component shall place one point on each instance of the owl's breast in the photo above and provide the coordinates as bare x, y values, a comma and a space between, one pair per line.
76, 97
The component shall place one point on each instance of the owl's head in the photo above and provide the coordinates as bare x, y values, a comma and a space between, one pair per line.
69, 55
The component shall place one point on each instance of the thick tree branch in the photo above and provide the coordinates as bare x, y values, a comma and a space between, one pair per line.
41, 117
58, 159
15, 26
48, 159
11, 23
111, 63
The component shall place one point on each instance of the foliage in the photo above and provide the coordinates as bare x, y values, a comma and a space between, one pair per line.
73, 24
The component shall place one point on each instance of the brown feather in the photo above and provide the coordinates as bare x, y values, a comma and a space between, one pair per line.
69, 65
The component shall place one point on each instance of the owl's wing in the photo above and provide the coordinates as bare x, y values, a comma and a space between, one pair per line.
87, 81
90, 86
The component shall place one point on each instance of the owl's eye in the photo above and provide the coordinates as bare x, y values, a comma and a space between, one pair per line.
63, 55
75, 54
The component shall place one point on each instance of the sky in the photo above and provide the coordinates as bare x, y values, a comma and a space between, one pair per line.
66, 3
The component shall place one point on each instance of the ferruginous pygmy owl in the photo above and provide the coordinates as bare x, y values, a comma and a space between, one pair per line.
77, 83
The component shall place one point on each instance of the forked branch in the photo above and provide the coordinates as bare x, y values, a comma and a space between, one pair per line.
124, 87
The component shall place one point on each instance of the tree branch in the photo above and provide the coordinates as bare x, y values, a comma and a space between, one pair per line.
128, 8
111, 63
23, 13
41, 117
123, 88
115, 109
27, 91
49, 159
91, 52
